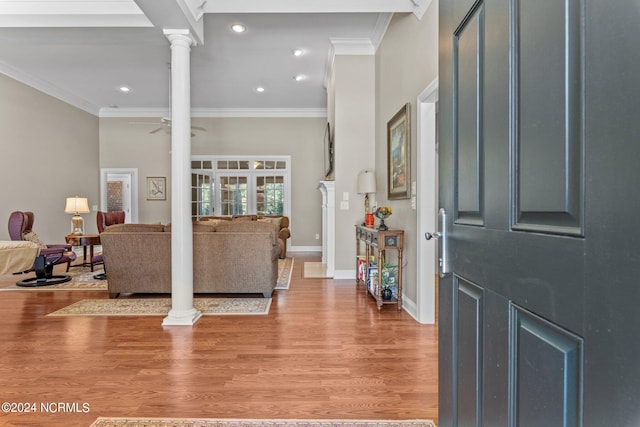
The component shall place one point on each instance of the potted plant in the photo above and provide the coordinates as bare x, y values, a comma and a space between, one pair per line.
388, 280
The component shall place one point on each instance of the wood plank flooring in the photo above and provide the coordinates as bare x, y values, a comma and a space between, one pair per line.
324, 351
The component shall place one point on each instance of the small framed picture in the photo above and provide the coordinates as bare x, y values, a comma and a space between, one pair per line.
156, 188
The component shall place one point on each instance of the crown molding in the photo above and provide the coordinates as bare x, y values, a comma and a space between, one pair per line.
382, 24
340, 46
78, 13
307, 6
421, 7
219, 112
48, 88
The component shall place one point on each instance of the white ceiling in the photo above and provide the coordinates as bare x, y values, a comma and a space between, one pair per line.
82, 51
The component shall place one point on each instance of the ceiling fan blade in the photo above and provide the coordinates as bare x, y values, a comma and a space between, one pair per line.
156, 130
198, 128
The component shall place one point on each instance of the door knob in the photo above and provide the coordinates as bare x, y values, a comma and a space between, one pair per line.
441, 237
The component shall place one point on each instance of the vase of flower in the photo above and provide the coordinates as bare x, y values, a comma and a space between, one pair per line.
382, 213
387, 294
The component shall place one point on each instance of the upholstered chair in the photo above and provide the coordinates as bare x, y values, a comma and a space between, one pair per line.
21, 228
105, 219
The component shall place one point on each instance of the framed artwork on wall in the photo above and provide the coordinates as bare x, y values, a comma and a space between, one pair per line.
156, 188
399, 154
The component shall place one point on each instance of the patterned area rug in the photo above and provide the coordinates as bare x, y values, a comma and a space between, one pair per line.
199, 422
285, 267
82, 279
161, 306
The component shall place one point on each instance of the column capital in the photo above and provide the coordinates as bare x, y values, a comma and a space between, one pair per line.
180, 35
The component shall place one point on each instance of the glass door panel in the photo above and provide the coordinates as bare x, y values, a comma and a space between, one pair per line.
233, 195
270, 195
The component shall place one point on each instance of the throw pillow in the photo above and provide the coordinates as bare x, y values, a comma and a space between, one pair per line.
277, 221
31, 236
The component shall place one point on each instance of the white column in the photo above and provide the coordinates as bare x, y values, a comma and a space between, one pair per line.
182, 311
328, 190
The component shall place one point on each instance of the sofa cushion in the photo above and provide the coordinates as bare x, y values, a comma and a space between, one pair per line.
134, 228
244, 217
249, 227
203, 226
273, 220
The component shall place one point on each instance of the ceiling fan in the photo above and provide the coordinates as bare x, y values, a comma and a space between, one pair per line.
165, 125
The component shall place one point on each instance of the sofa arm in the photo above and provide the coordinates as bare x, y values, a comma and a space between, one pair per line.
284, 233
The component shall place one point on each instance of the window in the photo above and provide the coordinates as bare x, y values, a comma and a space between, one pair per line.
226, 185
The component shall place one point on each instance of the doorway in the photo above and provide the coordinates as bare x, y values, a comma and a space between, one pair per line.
119, 191
427, 178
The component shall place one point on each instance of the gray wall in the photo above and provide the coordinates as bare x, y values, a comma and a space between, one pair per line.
126, 145
49, 152
406, 62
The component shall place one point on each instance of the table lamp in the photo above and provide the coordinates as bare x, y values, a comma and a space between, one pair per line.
366, 185
77, 205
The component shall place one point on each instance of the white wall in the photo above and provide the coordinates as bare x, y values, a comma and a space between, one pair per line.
49, 152
354, 109
124, 145
406, 62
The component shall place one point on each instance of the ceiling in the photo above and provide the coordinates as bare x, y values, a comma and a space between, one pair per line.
83, 51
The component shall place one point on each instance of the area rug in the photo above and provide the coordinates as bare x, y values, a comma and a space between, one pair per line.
161, 306
200, 422
82, 279
285, 267
315, 270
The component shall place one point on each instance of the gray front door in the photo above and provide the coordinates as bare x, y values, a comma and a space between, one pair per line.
539, 174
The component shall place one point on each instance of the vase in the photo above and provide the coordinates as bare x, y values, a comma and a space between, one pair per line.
382, 225
387, 294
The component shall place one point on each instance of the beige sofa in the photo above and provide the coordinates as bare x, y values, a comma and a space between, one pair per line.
281, 221
229, 257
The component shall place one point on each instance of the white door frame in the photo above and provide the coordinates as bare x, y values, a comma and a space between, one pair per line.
133, 174
427, 208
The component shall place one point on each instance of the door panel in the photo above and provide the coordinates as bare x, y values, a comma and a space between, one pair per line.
469, 365
546, 36
538, 162
468, 149
546, 375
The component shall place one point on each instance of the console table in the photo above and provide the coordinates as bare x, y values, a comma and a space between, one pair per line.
376, 244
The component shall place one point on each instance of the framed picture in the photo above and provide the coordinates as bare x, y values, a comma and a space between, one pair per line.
399, 155
156, 188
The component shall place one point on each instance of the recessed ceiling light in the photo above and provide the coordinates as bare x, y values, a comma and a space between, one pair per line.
298, 52
125, 89
238, 28
299, 77
260, 89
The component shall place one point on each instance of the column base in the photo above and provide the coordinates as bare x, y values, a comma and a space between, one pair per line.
181, 317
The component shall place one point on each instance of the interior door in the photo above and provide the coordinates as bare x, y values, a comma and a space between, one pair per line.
538, 170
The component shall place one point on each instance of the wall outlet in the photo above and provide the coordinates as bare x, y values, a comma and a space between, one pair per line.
317, 236
344, 206
345, 196
94, 208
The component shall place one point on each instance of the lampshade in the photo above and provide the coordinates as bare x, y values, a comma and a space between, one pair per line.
77, 205
366, 182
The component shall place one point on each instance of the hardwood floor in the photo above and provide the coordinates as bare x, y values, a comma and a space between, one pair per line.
324, 351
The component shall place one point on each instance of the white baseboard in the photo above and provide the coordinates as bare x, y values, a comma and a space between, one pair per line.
344, 275
304, 249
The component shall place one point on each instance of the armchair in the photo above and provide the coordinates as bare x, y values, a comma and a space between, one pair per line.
21, 228
103, 220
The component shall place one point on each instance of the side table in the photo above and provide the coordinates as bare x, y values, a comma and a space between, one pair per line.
84, 240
